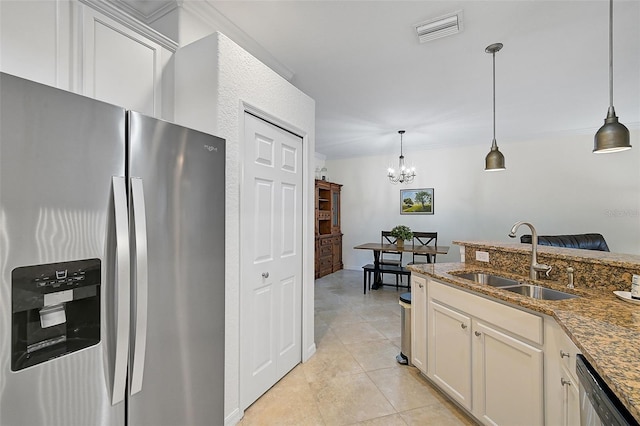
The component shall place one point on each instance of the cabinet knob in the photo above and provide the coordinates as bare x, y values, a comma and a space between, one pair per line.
265, 275
564, 354
564, 381
463, 325
420, 285
477, 333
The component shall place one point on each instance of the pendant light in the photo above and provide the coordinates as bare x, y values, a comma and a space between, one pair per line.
613, 136
405, 174
494, 160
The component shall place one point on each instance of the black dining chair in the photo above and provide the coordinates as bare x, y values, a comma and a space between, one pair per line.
389, 257
424, 239
391, 261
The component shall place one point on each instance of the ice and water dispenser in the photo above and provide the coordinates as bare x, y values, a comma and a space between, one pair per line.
56, 310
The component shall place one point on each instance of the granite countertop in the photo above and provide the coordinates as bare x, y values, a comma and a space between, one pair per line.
604, 328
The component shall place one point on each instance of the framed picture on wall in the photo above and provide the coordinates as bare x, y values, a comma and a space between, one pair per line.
416, 201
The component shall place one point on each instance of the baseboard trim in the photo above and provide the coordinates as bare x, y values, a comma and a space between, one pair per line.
234, 418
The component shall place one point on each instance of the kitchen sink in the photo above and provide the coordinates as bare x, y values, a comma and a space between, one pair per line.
535, 291
538, 292
489, 279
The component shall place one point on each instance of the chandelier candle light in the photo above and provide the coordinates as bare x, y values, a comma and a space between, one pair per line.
405, 174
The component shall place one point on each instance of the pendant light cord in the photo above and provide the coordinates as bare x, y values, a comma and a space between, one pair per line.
494, 95
611, 53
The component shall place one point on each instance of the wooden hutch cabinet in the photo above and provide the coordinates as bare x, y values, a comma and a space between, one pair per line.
328, 236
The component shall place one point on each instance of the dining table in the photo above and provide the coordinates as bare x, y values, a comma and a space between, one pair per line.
378, 248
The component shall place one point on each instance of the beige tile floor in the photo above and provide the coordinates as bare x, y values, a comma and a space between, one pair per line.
354, 379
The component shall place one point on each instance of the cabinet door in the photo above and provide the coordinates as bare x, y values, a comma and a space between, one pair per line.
562, 405
419, 323
570, 399
335, 208
508, 378
122, 67
337, 253
35, 40
449, 352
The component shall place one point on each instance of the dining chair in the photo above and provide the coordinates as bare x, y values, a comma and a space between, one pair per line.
424, 239
391, 258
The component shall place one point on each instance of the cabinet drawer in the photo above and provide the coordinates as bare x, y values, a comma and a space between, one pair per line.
324, 215
326, 263
326, 241
511, 319
564, 350
326, 250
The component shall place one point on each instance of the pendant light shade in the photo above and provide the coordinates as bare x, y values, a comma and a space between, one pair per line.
613, 136
494, 160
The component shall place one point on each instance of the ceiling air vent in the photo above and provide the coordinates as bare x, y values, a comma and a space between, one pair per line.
439, 27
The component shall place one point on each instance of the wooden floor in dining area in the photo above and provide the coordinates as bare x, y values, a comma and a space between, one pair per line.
354, 379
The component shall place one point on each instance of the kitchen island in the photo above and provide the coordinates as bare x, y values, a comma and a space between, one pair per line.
604, 328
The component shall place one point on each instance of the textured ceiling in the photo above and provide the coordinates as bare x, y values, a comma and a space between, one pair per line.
362, 63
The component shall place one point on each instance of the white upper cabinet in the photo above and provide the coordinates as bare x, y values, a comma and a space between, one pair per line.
120, 66
35, 41
72, 46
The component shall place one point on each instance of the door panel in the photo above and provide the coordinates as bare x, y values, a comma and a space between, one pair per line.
288, 221
263, 221
507, 398
287, 305
271, 241
450, 355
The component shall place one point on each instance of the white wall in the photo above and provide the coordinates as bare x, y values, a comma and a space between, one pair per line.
556, 183
215, 81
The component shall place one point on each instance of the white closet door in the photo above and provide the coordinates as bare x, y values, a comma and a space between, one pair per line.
271, 264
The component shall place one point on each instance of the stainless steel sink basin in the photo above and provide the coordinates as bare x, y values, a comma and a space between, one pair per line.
538, 292
489, 279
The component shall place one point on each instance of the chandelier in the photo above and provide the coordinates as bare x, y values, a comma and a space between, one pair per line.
405, 174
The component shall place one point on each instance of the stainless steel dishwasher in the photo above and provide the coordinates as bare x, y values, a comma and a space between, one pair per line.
598, 404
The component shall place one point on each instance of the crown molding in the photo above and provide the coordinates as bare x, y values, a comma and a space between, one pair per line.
113, 11
155, 13
211, 16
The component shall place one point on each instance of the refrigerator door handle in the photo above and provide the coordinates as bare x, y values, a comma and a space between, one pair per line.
139, 290
122, 288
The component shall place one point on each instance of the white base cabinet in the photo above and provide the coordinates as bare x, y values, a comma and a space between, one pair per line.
562, 397
449, 344
486, 356
504, 365
507, 378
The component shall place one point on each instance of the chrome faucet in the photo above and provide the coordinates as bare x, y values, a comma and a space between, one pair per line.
535, 266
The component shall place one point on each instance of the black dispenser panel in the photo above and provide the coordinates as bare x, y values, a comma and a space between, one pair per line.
56, 310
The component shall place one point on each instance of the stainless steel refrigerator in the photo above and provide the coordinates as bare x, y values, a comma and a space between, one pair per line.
112, 264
